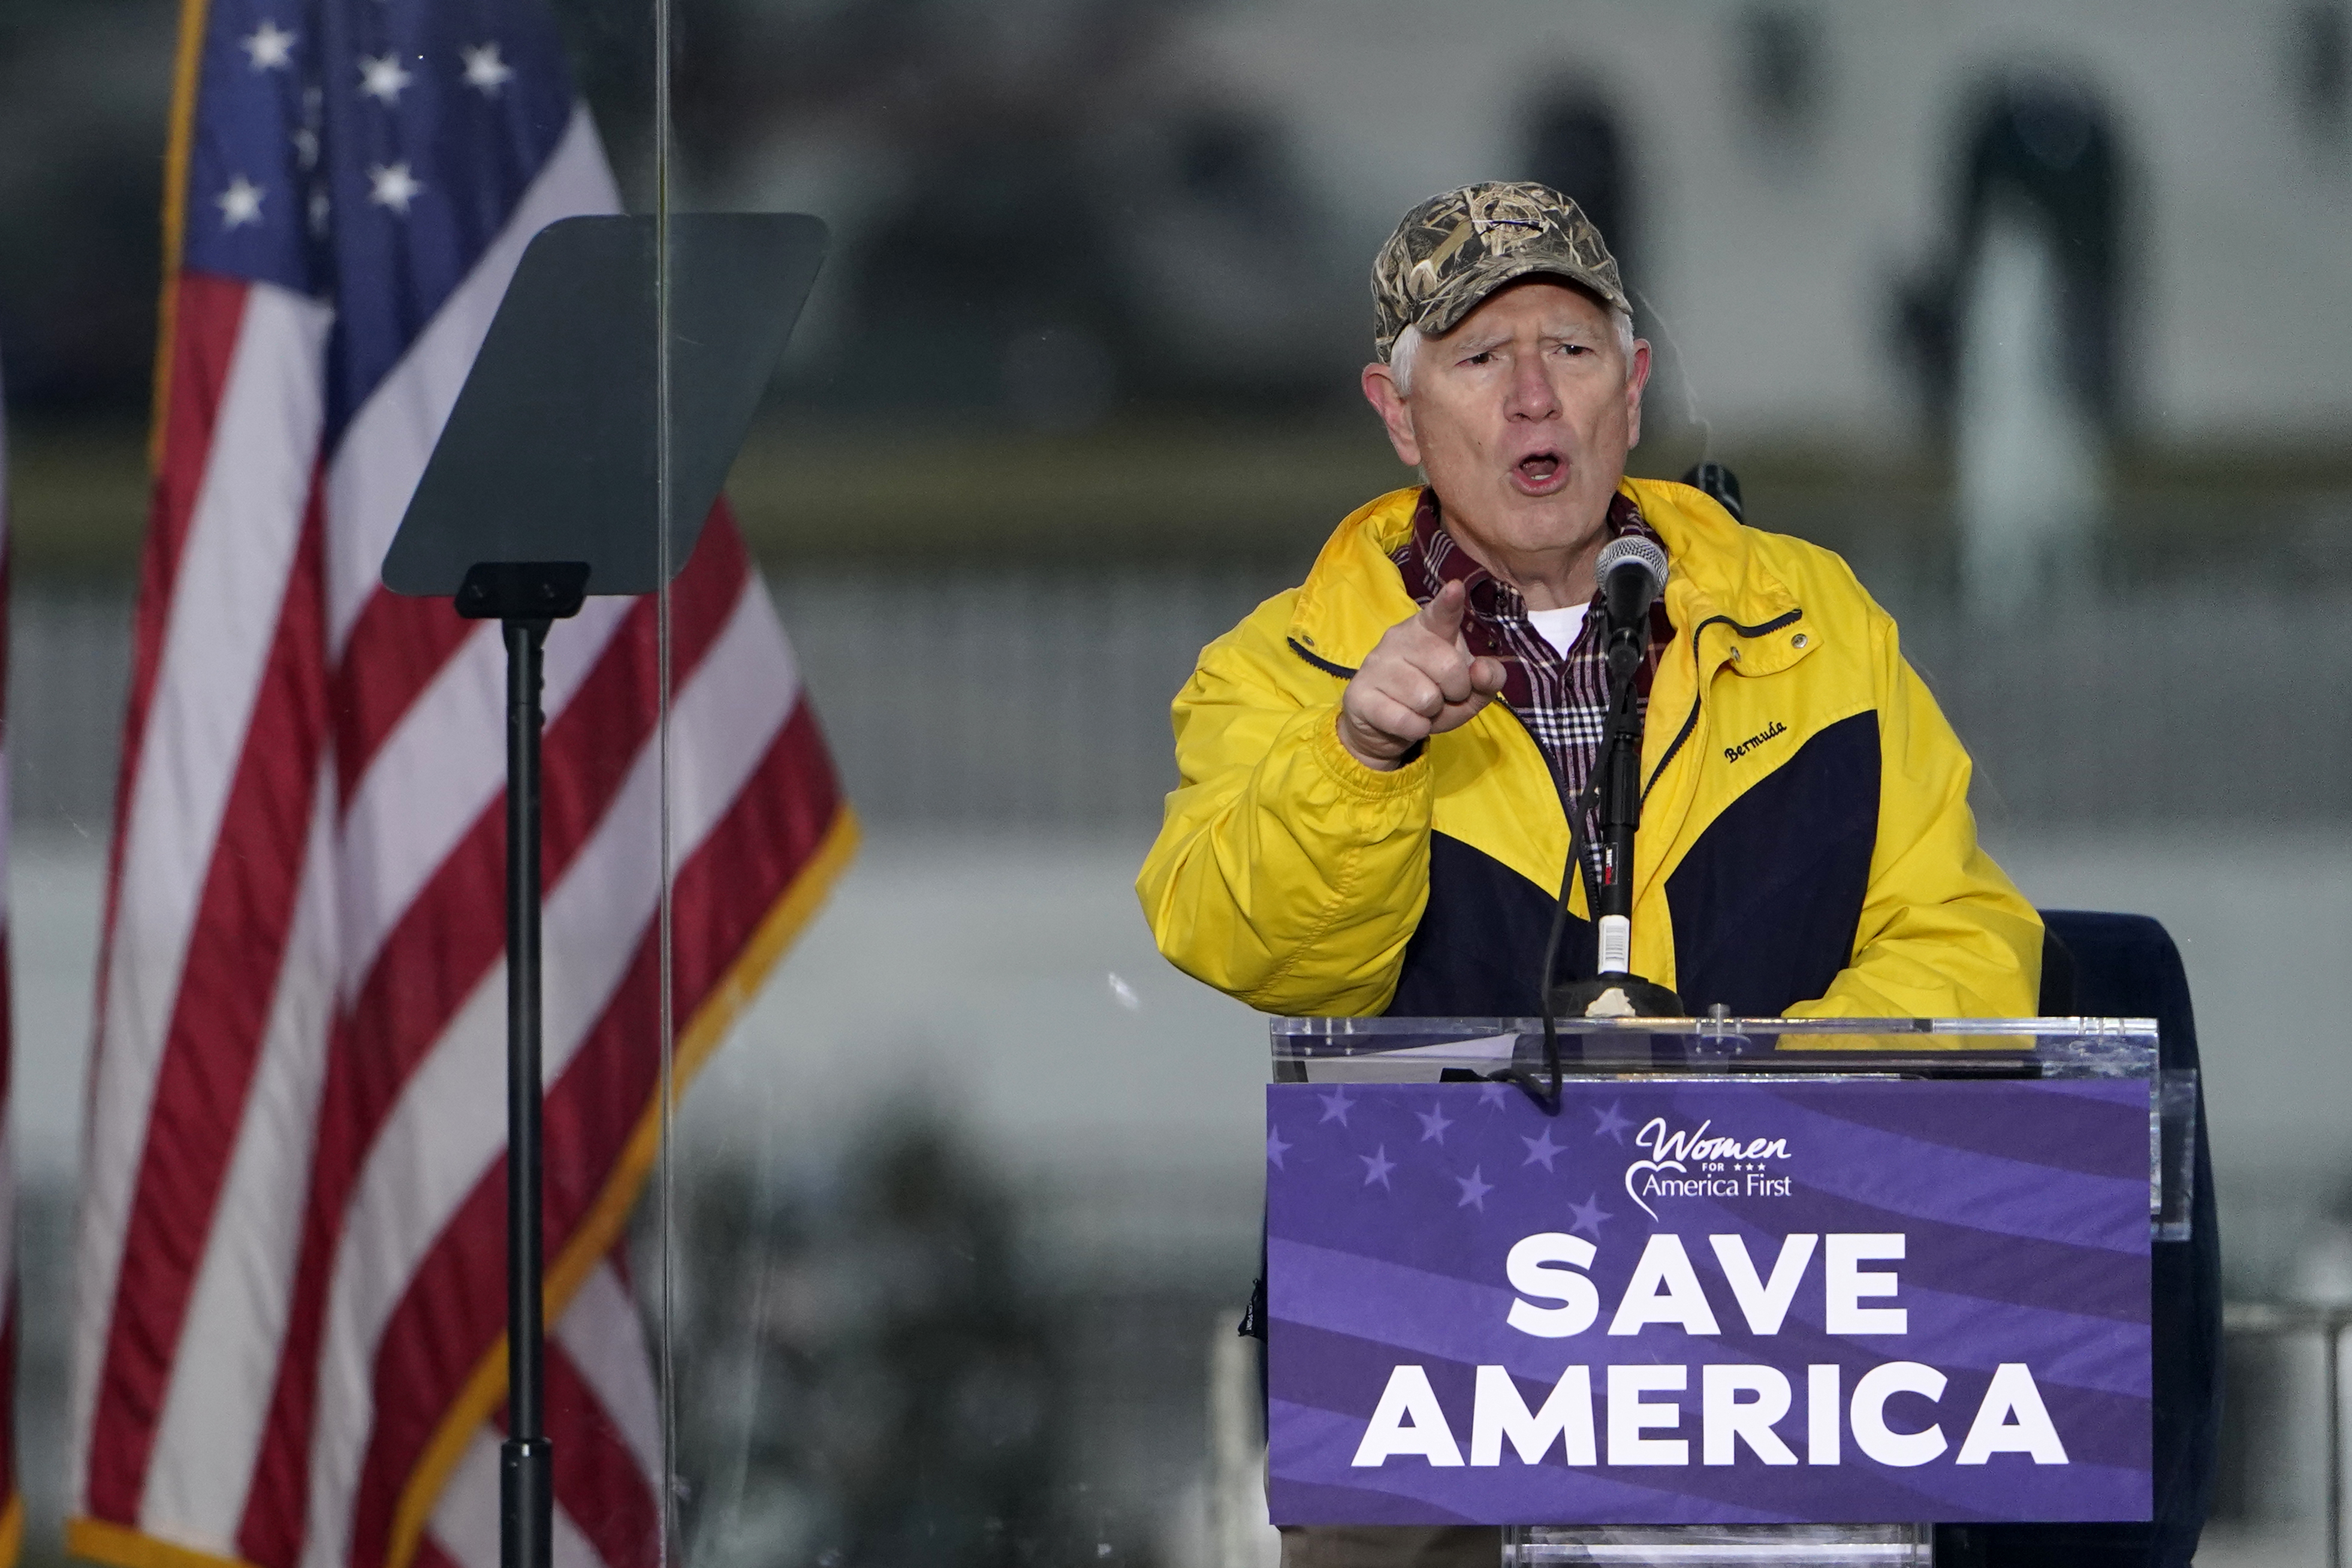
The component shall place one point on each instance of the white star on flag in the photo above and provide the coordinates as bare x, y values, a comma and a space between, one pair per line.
485, 71
306, 148
240, 203
269, 47
391, 186
319, 207
381, 77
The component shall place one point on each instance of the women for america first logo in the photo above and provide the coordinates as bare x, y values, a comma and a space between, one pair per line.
1693, 1162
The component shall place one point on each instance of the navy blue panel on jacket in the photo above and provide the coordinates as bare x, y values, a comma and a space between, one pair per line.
1480, 941
1766, 902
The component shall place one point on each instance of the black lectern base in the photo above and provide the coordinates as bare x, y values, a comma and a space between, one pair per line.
1615, 996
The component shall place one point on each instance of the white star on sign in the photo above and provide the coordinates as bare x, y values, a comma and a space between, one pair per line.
1542, 1148
1434, 1123
269, 47
1589, 1215
1474, 1190
1274, 1146
1376, 1166
485, 71
381, 77
240, 203
391, 186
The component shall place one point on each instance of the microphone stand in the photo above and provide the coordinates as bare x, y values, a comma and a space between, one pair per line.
1614, 991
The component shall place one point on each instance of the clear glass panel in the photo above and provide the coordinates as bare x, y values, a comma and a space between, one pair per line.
971, 1171
949, 1285
1076, 391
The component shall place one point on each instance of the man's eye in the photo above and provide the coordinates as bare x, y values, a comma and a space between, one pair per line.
1487, 358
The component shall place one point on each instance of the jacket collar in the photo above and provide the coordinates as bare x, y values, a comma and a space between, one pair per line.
1353, 593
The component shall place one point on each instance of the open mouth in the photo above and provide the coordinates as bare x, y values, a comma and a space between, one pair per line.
1540, 473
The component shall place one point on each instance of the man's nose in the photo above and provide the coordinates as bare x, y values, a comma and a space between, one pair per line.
1531, 393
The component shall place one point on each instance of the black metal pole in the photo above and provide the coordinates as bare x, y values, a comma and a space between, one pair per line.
2333, 1360
1621, 803
1619, 806
526, 1490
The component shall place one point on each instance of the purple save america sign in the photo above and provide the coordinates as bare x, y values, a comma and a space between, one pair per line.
1860, 1301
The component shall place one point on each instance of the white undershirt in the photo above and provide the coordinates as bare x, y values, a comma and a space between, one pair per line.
1559, 628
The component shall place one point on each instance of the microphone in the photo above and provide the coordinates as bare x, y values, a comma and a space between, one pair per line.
1633, 573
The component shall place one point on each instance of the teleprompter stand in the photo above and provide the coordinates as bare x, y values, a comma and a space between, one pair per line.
590, 440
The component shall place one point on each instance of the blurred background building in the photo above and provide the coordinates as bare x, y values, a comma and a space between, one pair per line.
2033, 310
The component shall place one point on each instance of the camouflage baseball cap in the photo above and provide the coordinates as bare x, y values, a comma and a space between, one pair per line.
1454, 250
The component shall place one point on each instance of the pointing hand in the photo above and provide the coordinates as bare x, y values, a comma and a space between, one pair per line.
1419, 680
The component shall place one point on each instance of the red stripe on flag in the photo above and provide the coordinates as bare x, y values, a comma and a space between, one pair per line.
207, 316
396, 647
574, 798
454, 1307
752, 858
228, 984
598, 1480
448, 938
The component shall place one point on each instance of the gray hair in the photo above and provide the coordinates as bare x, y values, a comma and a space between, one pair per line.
1407, 348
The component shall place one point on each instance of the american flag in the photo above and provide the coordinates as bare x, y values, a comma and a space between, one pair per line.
288, 1337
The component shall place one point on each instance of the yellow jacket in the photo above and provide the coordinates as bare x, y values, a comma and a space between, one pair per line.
1806, 845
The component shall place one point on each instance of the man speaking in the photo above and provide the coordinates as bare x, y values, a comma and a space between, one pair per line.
1376, 767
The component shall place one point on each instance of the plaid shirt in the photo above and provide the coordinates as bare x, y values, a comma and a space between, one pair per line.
1563, 699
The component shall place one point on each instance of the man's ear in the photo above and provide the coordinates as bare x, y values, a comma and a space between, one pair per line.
1396, 416
1637, 377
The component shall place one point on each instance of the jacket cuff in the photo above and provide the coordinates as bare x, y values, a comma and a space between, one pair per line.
1410, 777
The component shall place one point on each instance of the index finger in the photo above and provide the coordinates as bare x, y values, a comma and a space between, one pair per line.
1442, 616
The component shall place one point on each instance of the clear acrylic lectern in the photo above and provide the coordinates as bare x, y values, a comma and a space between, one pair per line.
1691, 1053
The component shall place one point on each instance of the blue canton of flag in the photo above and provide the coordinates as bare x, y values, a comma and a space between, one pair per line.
367, 153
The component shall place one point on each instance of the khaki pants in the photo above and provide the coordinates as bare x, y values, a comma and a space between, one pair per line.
1391, 1546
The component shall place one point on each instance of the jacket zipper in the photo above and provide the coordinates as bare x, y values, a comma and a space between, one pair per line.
1324, 665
